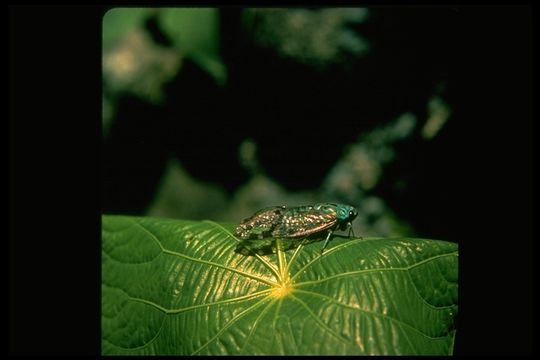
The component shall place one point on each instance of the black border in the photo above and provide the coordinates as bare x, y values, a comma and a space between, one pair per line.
53, 170
54, 138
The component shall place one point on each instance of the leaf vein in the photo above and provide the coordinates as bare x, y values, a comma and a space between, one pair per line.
256, 323
423, 299
331, 250
148, 343
372, 313
229, 324
367, 271
193, 307
174, 253
314, 316
277, 336
128, 263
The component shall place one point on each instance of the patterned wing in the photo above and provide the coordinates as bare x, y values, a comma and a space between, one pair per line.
261, 224
304, 220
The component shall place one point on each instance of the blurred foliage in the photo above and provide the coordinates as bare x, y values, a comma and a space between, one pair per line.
143, 50
139, 66
196, 32
119, 21
438, 114
266, 67
312, 37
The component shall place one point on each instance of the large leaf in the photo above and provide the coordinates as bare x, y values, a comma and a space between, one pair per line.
178, 287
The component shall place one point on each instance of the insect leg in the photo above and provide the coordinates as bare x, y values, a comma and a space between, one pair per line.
352, 232
326, 241
350, 229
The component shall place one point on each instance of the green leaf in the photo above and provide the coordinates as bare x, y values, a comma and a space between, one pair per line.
178, 287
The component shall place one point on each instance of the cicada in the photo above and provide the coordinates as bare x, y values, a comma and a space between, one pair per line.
296, 222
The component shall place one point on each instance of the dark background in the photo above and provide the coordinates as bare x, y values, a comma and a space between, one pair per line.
54, 171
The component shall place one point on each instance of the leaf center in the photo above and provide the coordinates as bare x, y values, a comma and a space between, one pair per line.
282, 290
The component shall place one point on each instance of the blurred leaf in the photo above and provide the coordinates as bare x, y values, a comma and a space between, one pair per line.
139, 66
118, 21
177, 287
196, 31
192, 29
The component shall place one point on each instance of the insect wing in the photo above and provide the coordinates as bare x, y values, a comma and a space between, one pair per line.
261, 224
304, 221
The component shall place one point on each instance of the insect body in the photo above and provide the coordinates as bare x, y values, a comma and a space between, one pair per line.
297, 222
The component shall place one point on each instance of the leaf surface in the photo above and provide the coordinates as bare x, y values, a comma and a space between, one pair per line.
178, 287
